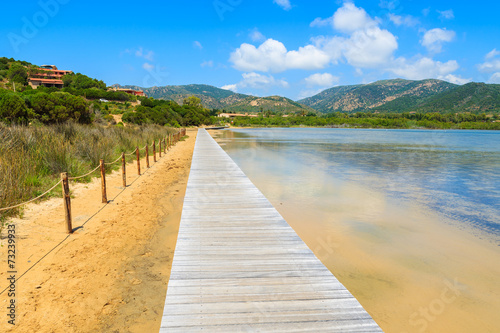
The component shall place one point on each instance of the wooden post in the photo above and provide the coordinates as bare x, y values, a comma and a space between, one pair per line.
147, 156
164, 146
154, 151
67, 201
103, 182
138, 160
124, 175
159, 150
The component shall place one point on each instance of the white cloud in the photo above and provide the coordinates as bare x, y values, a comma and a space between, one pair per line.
408, 20
492, 54
256, 81
197, 45
256, 36
446, 14
319, 22
367, 45
272, 56
232, 87
322, 80
370, 48
269, 56
308, 93
495, 78
422, 68
456, 79
350, 18
259, 81
307, 57
147, 66
332, 46
492, 64
208, 63
285, 4
434, 39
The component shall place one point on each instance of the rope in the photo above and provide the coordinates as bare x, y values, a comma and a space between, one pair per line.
38, 197
85, 175
69, 178
118, 159
132, 153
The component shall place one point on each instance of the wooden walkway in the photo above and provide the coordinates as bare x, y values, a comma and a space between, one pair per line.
239, 267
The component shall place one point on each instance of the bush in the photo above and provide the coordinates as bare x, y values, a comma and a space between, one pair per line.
31, 158
13, 109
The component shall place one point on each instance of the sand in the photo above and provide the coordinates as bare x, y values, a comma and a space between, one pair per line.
111, 275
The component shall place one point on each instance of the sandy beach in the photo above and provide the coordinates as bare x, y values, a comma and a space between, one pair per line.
111, 275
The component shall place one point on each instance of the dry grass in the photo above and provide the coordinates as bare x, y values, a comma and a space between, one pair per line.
32, 158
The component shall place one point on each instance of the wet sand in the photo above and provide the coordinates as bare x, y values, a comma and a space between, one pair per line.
411, 269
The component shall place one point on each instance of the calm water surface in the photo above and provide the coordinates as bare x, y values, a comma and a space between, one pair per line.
452, 173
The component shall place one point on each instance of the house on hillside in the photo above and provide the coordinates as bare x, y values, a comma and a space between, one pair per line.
46, 75
129, 91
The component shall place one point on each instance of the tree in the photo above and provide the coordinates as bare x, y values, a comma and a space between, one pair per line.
13, 108
193, 101
18, 73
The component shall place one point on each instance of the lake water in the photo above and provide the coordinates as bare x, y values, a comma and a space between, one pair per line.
394, 214
455, 173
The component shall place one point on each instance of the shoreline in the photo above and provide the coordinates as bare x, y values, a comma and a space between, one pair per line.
366, 128
112, 272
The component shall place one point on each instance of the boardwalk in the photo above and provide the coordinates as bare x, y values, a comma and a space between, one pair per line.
239, 267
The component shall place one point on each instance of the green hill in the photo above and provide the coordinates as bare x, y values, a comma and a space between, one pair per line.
211, 97
388, 95
471, 97
254, 104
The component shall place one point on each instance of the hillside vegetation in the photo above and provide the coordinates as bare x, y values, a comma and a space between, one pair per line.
211, 97
84, 100
386, 96
376, 95
275, 104
408, 96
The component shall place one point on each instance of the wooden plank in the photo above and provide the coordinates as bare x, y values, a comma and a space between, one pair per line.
239, 267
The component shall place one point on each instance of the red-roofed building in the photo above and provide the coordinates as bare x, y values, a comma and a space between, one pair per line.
130, 91
46, 75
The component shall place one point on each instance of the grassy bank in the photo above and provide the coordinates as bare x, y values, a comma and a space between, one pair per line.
32, 157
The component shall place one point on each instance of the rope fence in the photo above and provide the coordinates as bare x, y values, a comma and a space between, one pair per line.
111, 163
85, 175
27, 202
168, 141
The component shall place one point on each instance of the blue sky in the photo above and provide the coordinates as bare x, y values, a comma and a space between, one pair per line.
292, 48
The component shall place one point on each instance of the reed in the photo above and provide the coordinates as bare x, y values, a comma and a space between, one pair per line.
32, 157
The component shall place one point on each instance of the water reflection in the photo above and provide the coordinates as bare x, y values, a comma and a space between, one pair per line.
451, 172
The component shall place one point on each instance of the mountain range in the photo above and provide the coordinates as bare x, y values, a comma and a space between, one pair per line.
395, 95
